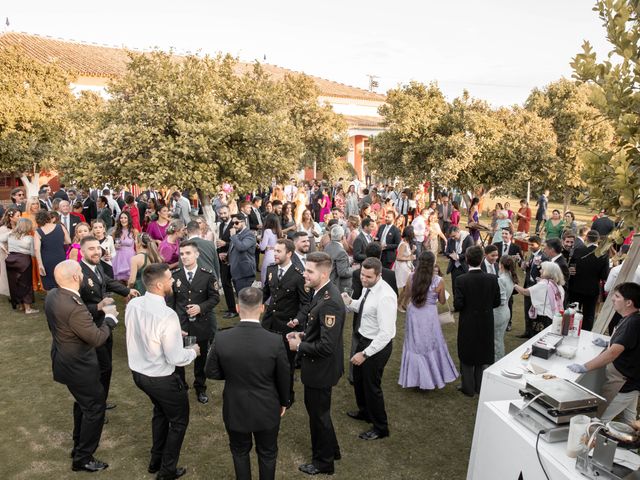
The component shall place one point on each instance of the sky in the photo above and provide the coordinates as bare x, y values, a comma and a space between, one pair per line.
498, 50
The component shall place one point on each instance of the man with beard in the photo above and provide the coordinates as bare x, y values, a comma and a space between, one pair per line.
94, 291
224, 236
301, 245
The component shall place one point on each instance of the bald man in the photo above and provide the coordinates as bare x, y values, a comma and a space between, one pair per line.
74, 360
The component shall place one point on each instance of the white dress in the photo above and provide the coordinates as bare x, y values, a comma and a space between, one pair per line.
403, 268
4, 281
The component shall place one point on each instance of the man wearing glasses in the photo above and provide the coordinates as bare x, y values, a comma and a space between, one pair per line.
242, 251
18, 198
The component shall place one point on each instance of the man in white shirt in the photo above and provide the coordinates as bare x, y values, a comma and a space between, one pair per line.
155, 349
113, 205
490, 262
377, 309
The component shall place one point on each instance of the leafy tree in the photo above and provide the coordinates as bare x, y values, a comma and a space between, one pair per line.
33, 124
613, 176
578, 126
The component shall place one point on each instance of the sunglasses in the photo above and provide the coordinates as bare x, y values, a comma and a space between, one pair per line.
237, 222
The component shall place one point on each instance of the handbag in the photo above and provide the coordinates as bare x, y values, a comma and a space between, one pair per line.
446, 317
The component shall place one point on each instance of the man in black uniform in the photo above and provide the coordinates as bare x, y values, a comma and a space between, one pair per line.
195, 295
74, 360
289, 299
222, 243
322, 360
93, 290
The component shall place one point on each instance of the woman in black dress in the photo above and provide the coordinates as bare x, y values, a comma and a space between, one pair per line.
49, 242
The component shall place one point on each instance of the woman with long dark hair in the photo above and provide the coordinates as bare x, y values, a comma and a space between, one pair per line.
49, 241
124, 236
99, 231
403, 266
271, 232
507, 278
426, 363
147, 254
20, 245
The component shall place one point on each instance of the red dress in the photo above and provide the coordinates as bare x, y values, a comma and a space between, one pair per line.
135, 216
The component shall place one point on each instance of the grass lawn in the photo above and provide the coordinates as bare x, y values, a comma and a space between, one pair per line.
430, 432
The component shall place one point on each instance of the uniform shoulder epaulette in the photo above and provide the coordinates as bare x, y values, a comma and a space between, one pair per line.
175, 270
78, 300
298, 269
206, 270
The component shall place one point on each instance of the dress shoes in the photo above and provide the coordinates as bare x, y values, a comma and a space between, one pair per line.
180, 471
524, 335
509, 326
93, 466
202, 398
229, 315
459, 388
311, 469
372, 435
358, 415
111, 406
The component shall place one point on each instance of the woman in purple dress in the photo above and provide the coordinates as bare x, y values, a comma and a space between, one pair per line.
426, 363
169, 248
124, 237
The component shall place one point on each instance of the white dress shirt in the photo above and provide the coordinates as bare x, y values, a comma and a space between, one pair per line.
491, 267
419, 228
378, 320
154, 337
302, 257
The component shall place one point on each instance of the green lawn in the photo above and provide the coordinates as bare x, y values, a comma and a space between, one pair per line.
430, 432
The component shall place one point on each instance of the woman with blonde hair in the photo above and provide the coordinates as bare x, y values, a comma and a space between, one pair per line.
169, 249
547, 296
82, 230
7, 224
18, 262
147, 254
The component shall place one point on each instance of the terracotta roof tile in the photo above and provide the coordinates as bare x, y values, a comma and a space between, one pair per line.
94, 60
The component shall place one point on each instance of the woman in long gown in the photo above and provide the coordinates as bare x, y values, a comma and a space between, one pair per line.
426, 362
270, 234
435, 233
312, 228
124, 237
351, 204
33, 207
301, 203
507, 278
473, 222
49, 242
8, 223
403, 266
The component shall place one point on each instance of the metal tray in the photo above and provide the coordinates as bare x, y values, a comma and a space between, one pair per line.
562, 394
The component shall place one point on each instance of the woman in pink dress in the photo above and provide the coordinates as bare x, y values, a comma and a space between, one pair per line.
169, 248
158, 228
124, 239
325, 205
82, 230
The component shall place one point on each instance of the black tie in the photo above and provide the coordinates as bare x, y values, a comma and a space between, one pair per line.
358, 321
97, 272
189, 276
280, 273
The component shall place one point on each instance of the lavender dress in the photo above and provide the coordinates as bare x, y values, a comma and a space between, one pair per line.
426, 362
122, 261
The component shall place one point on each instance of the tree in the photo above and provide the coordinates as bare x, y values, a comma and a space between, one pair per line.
578, 126
34, 99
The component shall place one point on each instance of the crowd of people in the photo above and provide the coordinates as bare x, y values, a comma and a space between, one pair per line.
320, 251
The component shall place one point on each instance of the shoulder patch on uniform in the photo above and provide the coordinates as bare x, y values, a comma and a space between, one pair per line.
329, 321
77, 300
307, 289
175, 270
298, 269
326, 295
206, 270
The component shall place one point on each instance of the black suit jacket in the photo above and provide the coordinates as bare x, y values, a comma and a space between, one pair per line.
254, 364
321, 350
590, 270
223, 234
297, 262
564, 266
93, 291
75, 338
391, 244
253, 220
388, 276
106, 216
62, 195
359, 246
202, 291
90, 211
514, 249
532, 269
451, 248
288, 298
476, 295
73, 221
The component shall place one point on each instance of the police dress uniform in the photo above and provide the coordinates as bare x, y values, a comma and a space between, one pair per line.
93, 289
202, 290
289, 299
321, 354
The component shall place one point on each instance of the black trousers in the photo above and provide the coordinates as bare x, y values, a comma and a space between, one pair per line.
200, 378
367, 384
588, 304
324, 443
455, 273
471, 377
170, 418
528, 323
240, 444
105, 353
227, 286
88, 419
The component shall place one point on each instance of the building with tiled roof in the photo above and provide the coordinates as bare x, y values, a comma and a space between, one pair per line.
93, 66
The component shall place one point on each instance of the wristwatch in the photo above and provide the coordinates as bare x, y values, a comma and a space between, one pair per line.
365, 355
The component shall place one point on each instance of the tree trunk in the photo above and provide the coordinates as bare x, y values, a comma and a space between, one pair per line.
31, 186
566, 200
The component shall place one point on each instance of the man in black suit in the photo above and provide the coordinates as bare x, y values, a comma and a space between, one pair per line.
89, 209
490, 262
553, 250
457, 245
255, 222
531, 267
445, 209
93, 290
320, 348
603, 224
69, 221
44, 197
195, 295
208, 255
587, 270
288, 299
507, 246
61, 194
389, 238
363, 239
476, 295
251, 359
301, 244
74, 360
222, 243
